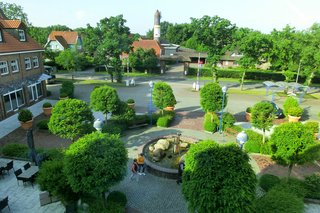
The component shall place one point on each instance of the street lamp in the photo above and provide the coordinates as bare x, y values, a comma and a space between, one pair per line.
151, 83
98, 124
242, 138
224, 91
197, 86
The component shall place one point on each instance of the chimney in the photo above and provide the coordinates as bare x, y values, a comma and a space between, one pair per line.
156, 27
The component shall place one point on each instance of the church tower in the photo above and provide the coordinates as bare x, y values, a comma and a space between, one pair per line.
156, 27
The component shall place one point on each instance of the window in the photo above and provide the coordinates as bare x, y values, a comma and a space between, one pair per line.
0, 36
4, 68
27, 63
35, 61
35, 91
14, 66
13, 100
22, 36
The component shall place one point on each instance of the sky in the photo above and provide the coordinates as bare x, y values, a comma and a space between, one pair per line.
262, 15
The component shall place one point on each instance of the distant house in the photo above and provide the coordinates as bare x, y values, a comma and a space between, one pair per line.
61, 40
229, 59
22, 82
147, 44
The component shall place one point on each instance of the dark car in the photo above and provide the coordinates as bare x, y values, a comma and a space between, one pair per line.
49, 71
277, 110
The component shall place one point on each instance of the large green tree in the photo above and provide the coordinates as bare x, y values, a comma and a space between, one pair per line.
293, 143
262, 115
104, 99
71, 118
14, 11
218, 178
95, 162
211, 96
143, 59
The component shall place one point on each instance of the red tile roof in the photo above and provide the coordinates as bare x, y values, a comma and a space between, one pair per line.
147, 44
69, 36
12, 44
11, 24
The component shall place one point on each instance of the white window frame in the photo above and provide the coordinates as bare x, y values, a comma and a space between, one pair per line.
34, 96
35, 61
17, 102
25, 63
22, 35
4, 68
14, 64
0, 36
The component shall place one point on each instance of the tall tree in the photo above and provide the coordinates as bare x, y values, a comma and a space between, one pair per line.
14, 11
293, 143
218, 178
143, 59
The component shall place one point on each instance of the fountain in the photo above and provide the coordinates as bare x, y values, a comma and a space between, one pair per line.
162, 155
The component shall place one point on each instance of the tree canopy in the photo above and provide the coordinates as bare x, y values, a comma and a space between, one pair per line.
71, 118
143, 59
218, 178
15, 12
95, 162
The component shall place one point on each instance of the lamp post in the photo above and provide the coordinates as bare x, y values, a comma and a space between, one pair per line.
197, 86
224, 91
242, 138
98, 124
150, 104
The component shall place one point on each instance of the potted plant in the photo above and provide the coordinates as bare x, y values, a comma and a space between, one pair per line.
25, 117
170, 100
248, 114
294, 113
130, 103
47, 108
63, 96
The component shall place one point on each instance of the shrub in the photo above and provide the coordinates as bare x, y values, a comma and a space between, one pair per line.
266, 148
312, 125
288, 103
295, 111
15, 150
67, 87
228, 120
163, 121
292, 185
117, 197
248, 110
43, 124
25, 115
254, 142
211, 122
113, 128
279, 201
46, 105
267, 181
211, 96
52, 154
63, 94
312, 185
130, 101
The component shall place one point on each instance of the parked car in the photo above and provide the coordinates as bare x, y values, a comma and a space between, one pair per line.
277, 110
49, 71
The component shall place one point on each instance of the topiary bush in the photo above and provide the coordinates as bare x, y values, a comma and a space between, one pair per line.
228, 120
312, 125
210, 122
211, 97
267, 181
288, 103
67, 88
312, 185
163, 121
279, 201
295, 111
25, 115
254, 142
15, 150
46, 105
43, 124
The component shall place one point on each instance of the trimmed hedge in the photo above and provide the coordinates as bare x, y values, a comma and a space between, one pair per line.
312, 184
163, 121
312, 125
253, 145
15, 150
210, 122
267, 181
294, 186
228, 120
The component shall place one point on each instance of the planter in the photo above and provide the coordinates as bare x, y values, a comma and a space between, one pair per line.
131, 105
47, 111
248, 116
26, 125
63, 98
169, 108
293, 118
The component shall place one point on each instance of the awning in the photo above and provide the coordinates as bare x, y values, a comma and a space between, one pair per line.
43, 77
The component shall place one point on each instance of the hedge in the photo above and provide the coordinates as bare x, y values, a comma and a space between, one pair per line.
267, 181
312, 184
254, 142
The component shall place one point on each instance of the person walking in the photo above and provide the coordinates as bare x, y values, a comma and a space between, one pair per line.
141, 164
134, 170
180, 171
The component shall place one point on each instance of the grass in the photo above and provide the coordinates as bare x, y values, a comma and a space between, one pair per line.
139, 74
306, 96
91, 81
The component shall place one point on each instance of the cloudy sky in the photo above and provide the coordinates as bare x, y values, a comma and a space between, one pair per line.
263, 15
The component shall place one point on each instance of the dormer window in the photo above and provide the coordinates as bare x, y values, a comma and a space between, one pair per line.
22, 35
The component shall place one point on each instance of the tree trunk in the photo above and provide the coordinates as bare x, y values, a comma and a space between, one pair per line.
242, 80
264, 136
290, 170
309, 79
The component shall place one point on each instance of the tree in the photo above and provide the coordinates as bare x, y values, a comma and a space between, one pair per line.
14, 12
142, 59
262, 116
162, 95
111, 38
66, 59
71, 118
227, 181
104, 99
211, 97
293, 143
95, 162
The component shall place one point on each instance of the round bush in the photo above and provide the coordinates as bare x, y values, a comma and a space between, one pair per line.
267, 181
117, 197
211, 122
25, 115
254, 142
46, 105
228, 120
163, 121
279, 201
43, 124
288, 103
